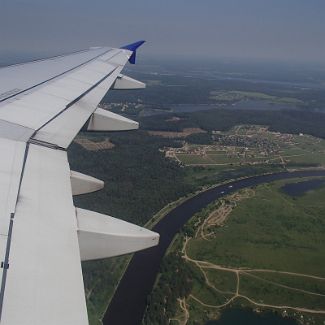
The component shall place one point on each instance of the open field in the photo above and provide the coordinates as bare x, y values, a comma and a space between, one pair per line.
97, 294
183, 134
234, 96
281, 225
90, 145
260, 248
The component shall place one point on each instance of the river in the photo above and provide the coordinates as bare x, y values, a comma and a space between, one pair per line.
129, 302
251, 104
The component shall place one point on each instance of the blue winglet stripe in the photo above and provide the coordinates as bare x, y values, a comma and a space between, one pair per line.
132, 57
133, 47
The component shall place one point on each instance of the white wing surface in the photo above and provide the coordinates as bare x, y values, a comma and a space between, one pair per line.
43, 237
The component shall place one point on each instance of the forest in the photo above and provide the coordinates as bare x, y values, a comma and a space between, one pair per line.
174, 282
139, 181
285, 121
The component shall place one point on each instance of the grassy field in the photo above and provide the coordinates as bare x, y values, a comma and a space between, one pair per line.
223, 280
269, 293
234, 96
269, 253
97, 294
264, 230
202, 176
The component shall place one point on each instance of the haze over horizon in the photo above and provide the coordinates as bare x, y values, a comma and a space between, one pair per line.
287, 30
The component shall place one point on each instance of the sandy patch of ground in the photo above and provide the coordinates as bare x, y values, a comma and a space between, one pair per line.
95, 146
186, 132
173, 119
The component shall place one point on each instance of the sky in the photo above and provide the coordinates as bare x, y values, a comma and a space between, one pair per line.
287, 30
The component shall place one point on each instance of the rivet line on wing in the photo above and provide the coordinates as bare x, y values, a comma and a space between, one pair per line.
52, 78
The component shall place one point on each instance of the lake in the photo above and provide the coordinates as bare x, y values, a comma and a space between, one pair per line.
260, 105
300, 188
238, 316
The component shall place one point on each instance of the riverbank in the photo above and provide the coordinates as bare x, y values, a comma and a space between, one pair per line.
260, 248
141, 273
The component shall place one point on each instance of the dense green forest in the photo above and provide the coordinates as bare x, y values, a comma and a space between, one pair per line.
186, 87
175, 282
139, 181
199, 138
285, 121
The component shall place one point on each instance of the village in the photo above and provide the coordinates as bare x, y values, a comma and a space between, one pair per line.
246, 145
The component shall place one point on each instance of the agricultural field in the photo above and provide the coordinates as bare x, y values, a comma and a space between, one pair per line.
250, 146
93, 144
261, 248
235, 96
184, 133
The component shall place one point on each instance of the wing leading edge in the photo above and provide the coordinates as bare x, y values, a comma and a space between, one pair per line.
43, 237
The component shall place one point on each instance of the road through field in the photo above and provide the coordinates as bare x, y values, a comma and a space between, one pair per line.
128, 305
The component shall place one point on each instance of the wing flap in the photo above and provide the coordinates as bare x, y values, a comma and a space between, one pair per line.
34, 110
43, 105
3, 245
62, 130
11, 165
15, 132
44, 247
40, 105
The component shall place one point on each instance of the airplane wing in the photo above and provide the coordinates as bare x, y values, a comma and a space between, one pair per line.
43, 236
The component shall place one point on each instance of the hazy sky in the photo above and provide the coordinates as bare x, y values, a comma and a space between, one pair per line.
276, 29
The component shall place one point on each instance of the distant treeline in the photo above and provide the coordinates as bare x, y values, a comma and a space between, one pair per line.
166, 90
285, 121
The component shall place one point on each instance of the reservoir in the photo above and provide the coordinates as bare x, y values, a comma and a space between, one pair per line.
231, 316
129, 302
252, 104
300, 188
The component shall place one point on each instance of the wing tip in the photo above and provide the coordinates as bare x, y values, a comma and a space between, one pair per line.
133, 48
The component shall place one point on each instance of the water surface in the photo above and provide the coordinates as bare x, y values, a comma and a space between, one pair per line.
128, 304
300, 188
251, 104
237, 316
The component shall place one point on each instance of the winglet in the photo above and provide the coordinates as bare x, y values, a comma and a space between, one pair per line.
133, 48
